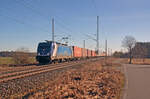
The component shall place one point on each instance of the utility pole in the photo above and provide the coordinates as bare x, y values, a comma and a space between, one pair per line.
53, 29
97, 34
83, 49
106, 51
111, 56
108, 54
84, 44
111, 53
106, 47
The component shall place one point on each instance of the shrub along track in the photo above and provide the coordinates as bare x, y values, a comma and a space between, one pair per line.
33, 71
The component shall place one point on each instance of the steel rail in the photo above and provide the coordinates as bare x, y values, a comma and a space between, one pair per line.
23, 74
31, 70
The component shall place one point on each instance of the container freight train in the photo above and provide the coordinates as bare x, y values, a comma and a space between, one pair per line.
49, 51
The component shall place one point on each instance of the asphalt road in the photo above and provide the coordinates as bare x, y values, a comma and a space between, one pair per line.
137, 81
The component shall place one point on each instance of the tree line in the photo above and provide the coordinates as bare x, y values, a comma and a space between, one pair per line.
20, 56
12, 53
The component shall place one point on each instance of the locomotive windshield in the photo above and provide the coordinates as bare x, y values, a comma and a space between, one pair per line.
44, 48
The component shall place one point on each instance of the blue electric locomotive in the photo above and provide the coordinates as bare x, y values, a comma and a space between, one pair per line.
52, 51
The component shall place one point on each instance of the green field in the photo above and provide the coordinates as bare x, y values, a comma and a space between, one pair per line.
9, 60
6, 60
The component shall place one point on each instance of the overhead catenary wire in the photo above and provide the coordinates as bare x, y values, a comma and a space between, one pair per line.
29, 6
58, 20
25, 23
96, 10
95, 6
63, 23
60, 23
21, 22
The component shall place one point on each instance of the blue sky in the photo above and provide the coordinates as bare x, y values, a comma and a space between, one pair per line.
25, 23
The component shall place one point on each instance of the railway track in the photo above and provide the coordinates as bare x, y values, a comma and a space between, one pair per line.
25, 73
37, 66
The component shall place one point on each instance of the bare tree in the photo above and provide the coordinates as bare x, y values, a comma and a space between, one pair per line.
21, 56
129, 43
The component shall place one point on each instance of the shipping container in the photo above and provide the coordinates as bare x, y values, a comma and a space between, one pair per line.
93, 54
88, 53
84, 52
77, 52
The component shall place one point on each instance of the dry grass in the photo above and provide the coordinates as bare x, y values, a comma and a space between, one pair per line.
137, 61
9, 60
110, 61
89, 82
6, 60
124, 60
140, 61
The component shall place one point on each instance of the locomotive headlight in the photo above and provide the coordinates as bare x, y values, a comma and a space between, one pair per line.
39, 54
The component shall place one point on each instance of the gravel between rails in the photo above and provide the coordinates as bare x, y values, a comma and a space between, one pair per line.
34, 72
8, 75
21, 86
6, 69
